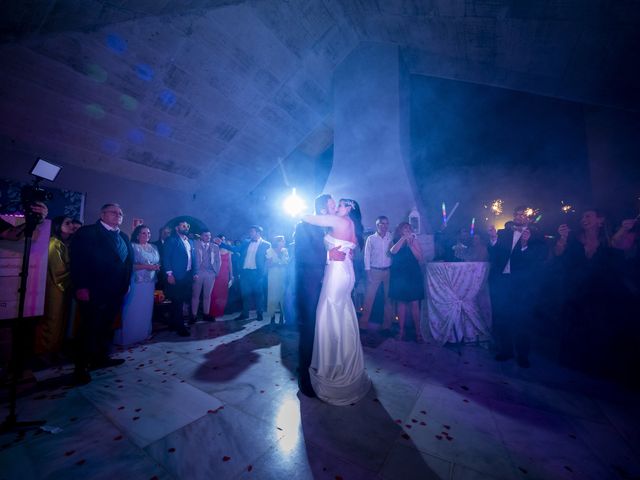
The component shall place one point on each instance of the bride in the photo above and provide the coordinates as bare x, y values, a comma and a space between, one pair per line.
337, 365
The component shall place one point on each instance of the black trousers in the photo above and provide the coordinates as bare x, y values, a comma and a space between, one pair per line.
308, 287
179, 294
252, 284
512, 307
95, 331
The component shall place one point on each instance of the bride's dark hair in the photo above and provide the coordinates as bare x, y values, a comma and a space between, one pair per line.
356, 216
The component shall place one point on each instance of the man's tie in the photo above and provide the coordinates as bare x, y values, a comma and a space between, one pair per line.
120, 245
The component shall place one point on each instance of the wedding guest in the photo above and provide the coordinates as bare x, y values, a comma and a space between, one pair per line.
51, 329
101, 266
223, 282
207, 256
253, 274
377, 267
138, 304
76, 225
407, 280
594, 294
277, 261
516, 254
180, 269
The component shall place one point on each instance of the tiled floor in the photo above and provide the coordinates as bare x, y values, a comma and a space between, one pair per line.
224, 404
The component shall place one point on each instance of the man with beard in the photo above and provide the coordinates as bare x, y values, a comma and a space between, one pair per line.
181, 267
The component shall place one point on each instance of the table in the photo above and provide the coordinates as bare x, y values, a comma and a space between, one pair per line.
458, 302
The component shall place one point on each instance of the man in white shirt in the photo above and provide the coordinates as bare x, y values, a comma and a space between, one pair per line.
181, 270
207, 256
377, 265
253, 271
515, 253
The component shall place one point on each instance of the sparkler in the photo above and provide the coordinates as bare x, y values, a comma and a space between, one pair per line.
566, 208
444, 214
473, 225
496, 207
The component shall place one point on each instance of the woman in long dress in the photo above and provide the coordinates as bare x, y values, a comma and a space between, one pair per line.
50, 331
138, 305
337, 365
223, 281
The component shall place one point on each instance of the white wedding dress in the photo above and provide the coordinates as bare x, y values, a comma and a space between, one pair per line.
337, 365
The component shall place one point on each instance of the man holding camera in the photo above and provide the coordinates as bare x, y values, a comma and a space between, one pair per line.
101, 267
38, 211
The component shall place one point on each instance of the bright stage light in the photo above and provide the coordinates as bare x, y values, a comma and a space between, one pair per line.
293, 204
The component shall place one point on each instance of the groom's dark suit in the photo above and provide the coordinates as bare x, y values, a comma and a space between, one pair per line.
310, 262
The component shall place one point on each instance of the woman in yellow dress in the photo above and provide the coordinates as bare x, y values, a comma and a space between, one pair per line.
50, 331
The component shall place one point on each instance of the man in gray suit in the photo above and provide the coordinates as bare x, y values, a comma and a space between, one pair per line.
207, 259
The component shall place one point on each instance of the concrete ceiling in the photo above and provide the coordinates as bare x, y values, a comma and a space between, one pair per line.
181, 92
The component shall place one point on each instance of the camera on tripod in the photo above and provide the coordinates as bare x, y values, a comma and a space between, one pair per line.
33, 194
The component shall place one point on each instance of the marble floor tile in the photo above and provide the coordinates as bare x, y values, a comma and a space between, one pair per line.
302, 459
224, 403
220, 445
409, 464
449, 424
148, 406
541, 445
90, 448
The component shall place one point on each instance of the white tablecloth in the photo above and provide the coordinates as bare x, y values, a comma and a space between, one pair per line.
458, 303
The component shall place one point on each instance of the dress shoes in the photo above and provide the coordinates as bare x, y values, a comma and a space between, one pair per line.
242, 316
523, 362
209, 318
192, 320
259, 317
503, 357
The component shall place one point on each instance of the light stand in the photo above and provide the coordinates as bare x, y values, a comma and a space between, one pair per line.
42, 170
19, 334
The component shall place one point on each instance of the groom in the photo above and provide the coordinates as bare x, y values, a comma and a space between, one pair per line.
310, 260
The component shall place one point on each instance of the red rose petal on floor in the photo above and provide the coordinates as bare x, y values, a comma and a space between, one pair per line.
141, 365
572, 436
69, 453
398, 421
405, 436
211, 411
523, 470
73, 419
171, 450
138, 409
407, 425
447, 427
414, 420
81, 462
449, 438
465, 400
439, 437
249, 468
423, 412
119, 437
155, 477
261, 391
568, 468
338, 477
376, 400
226, 458
422, 423
136, 418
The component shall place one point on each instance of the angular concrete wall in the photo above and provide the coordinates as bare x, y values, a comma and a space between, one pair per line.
371, 138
